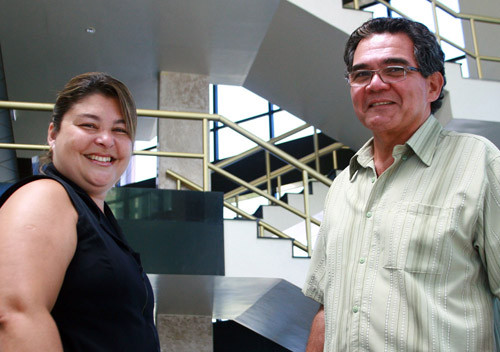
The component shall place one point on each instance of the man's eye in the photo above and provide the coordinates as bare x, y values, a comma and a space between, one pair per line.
394, 71
361, 75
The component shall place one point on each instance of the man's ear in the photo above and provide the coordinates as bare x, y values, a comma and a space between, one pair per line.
51, 135
435, 85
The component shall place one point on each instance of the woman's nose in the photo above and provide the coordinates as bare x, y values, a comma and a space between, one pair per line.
105, 138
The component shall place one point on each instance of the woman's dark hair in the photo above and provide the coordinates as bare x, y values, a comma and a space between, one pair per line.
428, 53
90, 83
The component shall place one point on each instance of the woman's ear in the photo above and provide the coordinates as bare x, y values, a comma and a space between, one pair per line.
51, 135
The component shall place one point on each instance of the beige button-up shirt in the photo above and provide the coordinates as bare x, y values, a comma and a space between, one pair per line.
410, 261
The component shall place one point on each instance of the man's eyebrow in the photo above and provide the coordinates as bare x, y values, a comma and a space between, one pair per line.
388, 61
396, 60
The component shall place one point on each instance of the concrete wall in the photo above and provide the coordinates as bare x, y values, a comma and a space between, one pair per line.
488, 36
181, 92
185, 333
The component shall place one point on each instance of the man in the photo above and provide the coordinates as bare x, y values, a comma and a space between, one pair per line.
408, 254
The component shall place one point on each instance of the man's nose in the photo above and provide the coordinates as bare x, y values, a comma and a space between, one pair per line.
376, 83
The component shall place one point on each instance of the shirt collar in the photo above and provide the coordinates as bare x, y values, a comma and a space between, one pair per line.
422, 142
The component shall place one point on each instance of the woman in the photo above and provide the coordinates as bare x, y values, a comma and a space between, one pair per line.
68, 279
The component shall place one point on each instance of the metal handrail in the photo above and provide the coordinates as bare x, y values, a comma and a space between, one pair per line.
262, 193
276, 151
254, 150
204, 117
191, 116
284, 169
463, 16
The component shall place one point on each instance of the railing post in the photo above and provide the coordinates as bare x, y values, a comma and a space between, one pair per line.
261, 229
316, 149
476, 48
436, 25
237, 202
268, 174
335, 161
279, 186
305, 180
205, 155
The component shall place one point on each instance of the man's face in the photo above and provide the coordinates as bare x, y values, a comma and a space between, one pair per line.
392, 109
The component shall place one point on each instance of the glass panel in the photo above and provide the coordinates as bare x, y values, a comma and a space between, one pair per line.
450, 52
452, 4
418, 10
378, 10
141, 167
451, 29
284, 122
237, 103
232, 143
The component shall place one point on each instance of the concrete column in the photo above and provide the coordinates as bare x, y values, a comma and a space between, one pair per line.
185, 333
8, 161
181, 92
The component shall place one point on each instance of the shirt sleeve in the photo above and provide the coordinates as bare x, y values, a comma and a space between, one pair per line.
314, 286
491, 225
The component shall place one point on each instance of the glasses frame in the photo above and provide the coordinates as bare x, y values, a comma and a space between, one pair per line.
405, 68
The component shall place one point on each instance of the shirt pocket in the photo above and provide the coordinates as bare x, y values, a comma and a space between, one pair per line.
416, 236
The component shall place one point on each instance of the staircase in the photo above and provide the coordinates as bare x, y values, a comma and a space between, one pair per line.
291, 224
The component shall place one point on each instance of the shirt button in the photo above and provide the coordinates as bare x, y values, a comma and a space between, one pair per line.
373, 179
355, 309
369, 214
404, 157
362, 261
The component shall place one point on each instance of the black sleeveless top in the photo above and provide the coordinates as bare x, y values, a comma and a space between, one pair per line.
106, 300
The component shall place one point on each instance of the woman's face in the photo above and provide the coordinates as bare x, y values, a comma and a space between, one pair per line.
92, 147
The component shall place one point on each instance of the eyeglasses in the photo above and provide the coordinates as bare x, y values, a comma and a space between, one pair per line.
389, 74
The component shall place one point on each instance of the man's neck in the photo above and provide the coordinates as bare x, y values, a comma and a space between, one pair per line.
384, 143
382, 156
383, 146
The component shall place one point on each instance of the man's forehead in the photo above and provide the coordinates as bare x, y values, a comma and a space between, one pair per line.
385, 47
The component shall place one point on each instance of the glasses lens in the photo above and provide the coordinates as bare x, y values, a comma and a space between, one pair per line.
360, 77
393, 74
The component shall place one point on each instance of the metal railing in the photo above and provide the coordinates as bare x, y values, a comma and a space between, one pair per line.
473, 19
269, 147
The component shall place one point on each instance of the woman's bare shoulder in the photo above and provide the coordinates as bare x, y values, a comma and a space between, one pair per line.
43, 197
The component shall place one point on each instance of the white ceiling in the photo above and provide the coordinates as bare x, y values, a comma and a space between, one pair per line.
286, 51
46, 42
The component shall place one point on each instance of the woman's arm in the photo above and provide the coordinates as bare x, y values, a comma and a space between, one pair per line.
37, 242
316, 340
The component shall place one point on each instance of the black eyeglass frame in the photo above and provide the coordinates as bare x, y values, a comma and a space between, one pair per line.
405, 68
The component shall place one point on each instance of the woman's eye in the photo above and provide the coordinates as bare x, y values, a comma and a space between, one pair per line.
121, 130
87, 125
